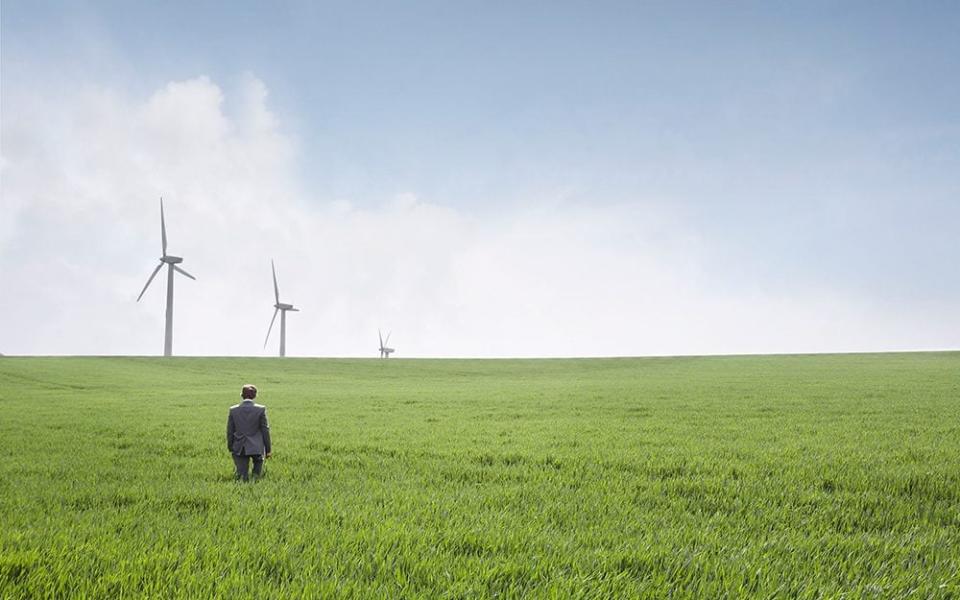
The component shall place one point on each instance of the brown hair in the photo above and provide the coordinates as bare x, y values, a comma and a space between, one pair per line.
249, 392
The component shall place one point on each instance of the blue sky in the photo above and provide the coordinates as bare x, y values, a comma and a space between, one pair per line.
802, 148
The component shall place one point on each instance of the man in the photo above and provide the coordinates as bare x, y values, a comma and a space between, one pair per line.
248, 434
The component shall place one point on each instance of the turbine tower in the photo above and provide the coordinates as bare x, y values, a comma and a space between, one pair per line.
281, 308
172, 263
384, 350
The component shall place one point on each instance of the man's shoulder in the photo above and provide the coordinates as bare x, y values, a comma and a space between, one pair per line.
247, 406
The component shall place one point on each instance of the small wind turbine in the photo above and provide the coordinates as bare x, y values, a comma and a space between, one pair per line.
281, 308
384, 350
172, 262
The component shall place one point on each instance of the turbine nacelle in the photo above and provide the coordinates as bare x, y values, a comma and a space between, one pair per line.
282, 306
171, 259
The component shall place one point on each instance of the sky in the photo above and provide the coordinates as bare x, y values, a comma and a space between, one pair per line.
493, 179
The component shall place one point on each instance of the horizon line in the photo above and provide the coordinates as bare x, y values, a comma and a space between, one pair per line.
597, 357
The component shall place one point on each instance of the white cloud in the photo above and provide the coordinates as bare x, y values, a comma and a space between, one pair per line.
82, 173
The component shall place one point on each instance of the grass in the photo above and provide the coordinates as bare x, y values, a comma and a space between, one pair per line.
784, 476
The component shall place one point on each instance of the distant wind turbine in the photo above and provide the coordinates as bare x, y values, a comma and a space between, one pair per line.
171, 262
384, 350
281, 308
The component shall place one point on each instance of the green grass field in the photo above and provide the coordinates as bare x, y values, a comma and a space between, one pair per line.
789, 476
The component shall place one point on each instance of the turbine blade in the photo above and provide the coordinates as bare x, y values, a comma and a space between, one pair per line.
182, 272
163, 228
388, 338
152, 275
276, 290
380, 335
269, 329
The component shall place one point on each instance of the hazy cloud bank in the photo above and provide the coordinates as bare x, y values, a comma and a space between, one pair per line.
82, 174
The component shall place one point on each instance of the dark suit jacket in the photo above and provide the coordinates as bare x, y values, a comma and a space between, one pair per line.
247, 429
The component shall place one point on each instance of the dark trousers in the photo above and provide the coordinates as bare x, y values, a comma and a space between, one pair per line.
242, 461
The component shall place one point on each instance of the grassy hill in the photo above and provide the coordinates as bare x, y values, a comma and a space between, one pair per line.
793, 476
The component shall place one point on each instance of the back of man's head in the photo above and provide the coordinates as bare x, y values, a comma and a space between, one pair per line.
249, 392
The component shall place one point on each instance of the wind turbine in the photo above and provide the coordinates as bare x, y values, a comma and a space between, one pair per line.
171, 262
384, 350
281, 308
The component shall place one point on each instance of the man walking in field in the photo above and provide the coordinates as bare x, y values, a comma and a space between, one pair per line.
248, 434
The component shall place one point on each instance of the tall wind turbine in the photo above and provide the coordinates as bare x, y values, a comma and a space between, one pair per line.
171, 262
281, 308
384, 350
